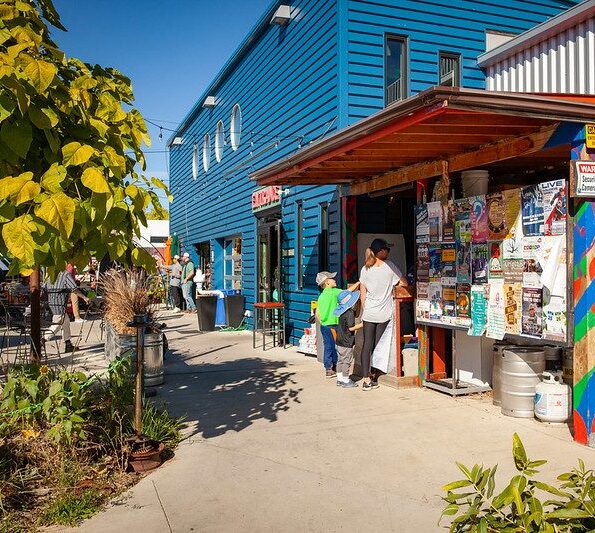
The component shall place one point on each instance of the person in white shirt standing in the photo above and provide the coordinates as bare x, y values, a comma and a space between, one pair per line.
378, 278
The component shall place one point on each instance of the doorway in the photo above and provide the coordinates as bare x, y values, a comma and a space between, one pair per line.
268, 246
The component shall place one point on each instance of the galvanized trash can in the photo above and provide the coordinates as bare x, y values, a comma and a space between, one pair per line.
153, 359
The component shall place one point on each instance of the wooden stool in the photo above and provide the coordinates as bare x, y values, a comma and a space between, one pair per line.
275, 311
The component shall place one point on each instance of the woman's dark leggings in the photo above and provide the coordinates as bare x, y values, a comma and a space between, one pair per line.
372, 333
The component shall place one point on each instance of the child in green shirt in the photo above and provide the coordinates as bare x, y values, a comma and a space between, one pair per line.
327, 303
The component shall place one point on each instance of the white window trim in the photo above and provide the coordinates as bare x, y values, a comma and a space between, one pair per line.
219, 141
206, 152
235, 129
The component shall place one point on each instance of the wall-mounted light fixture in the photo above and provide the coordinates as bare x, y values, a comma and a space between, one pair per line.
209, 102
282, 16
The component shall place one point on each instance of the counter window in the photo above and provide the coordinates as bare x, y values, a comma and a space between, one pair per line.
232, 261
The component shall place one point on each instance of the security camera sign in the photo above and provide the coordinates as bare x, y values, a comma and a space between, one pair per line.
590, 135
585, 179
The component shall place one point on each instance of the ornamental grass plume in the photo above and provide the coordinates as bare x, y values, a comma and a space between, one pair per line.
126, 293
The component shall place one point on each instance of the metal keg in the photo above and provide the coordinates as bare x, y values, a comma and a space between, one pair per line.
520, 373
496, 372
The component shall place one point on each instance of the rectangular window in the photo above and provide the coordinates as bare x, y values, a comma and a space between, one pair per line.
232, 263
299, 244
449, 66
323, 251
395, 69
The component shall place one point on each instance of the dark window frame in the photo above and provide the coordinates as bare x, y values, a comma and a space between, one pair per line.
404, 39
323, 239
454, 56
299, 244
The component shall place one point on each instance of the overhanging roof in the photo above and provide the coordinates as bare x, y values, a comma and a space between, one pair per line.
415, 138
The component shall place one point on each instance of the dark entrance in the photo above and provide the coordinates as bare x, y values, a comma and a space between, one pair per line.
268, 250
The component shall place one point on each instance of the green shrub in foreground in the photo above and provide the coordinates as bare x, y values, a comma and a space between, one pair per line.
569, 507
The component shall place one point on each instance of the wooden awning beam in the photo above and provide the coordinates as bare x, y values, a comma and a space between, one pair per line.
485, 155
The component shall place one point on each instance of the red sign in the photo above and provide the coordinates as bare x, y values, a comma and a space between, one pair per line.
266, 197
585, 178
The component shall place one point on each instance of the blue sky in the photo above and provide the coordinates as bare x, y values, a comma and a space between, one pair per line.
170, 49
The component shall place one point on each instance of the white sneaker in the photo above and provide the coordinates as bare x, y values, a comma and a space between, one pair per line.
176, 309
78, 321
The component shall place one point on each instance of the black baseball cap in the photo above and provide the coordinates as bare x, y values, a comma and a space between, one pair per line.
378, 245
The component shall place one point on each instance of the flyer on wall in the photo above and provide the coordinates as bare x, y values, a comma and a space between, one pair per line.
554, 319
449, 261
435, 297
462, 221
463, 262
479, 219
478, 310
449, 295
532, 269
513, 293
435, 221
554, 196
423, 263
512, 212
435, 262
513, 270
532, 210
496, 217
422, 302
553, 264
479, 263
532, 312
495, 267
422, 229
496, 326
448, 221
463, 304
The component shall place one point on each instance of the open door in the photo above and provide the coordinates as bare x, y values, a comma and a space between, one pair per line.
269, 261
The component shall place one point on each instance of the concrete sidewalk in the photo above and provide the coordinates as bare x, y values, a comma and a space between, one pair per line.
274, 446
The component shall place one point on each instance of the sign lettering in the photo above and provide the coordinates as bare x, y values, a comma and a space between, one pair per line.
590, 135
585, 179
265, 198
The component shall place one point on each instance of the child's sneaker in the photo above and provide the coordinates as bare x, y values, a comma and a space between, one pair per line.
330, 373
340, 383
374, 384
349, 384
366, 385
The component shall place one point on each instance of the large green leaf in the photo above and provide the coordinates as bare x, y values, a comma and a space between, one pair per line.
18, 239
94, 179
43, 118
7, 106
58, 211
40, 73
53, 177
75, 153
17, 136
29, 191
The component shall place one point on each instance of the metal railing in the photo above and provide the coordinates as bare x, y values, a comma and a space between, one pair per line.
394, 92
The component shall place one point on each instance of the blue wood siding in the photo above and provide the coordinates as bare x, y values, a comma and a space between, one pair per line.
286, 86
430, 26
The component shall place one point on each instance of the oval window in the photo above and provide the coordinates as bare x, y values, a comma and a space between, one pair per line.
194, 162
206, 152
219, 141
236, 127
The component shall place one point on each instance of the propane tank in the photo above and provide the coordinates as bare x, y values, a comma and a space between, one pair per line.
552, 398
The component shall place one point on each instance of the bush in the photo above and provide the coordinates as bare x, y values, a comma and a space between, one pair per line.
70, 509
570, 506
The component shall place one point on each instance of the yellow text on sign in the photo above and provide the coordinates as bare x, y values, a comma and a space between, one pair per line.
590, 135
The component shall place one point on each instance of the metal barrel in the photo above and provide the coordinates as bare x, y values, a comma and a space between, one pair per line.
153, 359
497, 372
520, 373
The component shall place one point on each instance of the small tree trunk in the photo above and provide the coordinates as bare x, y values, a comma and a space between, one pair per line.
34, 287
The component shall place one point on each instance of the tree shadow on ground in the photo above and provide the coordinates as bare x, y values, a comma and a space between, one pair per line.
229, 396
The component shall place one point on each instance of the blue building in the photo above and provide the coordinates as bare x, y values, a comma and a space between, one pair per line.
304, 71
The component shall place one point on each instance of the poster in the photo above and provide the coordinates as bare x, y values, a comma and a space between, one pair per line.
479, 219
436, 304
463, 262
423, 263
553, 266
495, 267
449, 261
479, 263
422, 303
512, 213
449, 296
463, 304
422, 229
462, 221
513, 293
448, 222
513, 270
532, 311
532, 210
478, 310
554, 207
435, 221
496, 219
554, 319
496, 326
435, 262
532, 253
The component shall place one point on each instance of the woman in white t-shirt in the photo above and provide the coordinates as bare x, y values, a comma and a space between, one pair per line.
378, 277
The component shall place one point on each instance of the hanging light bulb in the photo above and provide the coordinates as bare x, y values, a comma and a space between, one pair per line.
160, 134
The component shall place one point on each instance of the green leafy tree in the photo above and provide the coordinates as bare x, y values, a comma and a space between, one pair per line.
71, 162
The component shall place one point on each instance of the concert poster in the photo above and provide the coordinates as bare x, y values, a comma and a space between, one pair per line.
554, 207
532, 210
479, 263
479, 219
496, 217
